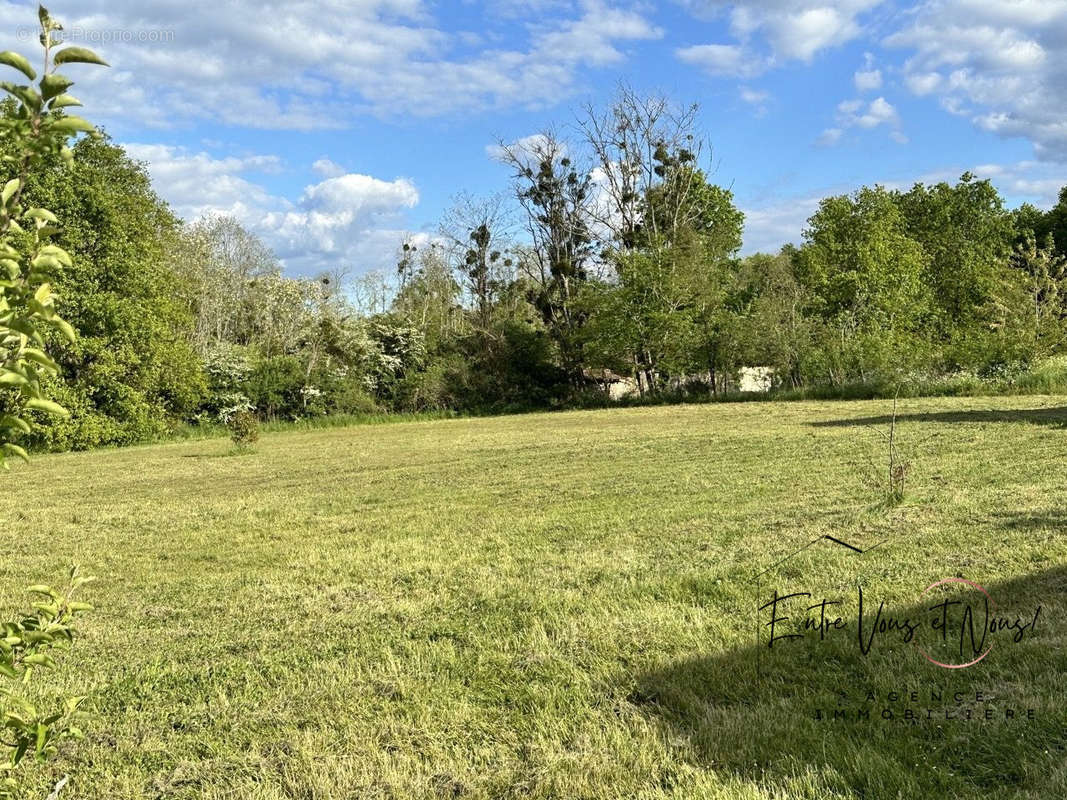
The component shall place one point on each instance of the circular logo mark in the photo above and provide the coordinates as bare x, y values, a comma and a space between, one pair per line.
973, 585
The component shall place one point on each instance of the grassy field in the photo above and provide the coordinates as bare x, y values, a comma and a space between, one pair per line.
553, 605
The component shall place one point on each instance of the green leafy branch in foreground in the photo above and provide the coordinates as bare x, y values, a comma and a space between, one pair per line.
25, 649
29, 261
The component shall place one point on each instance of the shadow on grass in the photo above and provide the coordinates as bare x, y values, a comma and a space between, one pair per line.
1050, 519
767, 729
1053, 417
233, 452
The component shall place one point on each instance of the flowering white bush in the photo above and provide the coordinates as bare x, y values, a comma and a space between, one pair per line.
233, 404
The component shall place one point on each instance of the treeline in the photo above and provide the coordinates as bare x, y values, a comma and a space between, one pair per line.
611, 255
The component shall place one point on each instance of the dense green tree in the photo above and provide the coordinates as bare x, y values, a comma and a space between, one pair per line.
1055, 224
706, 239
672, 233
967, 236
864, 275
133, 368
654, 303
860, 262
1043, 283
1029, 221
671, 294
764, 319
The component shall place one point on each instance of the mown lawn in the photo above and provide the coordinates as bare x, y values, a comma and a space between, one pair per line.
552, 605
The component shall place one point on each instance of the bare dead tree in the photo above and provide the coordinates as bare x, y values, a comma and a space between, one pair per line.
431, 293
639, 142
476, 233
371, 293
223, 260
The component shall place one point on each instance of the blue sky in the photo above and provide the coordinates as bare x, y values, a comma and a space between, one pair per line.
336, 129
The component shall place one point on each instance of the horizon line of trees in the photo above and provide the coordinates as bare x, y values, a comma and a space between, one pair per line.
610, 250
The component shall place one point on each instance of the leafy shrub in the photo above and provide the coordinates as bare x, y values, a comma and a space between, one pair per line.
244, 428
591, 397
398, 352
29, 261
431, 388
84, 428
274, 386
240, 420
26, 648
349, 396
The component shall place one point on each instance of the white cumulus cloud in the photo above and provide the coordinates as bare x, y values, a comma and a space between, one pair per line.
862, 114
282, 65
327, 168
769, 33
346, 220
1001, 64
868, 80
724, 59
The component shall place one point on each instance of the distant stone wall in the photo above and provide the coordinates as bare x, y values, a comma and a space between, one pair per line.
622, 388
756, 379
617, 387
